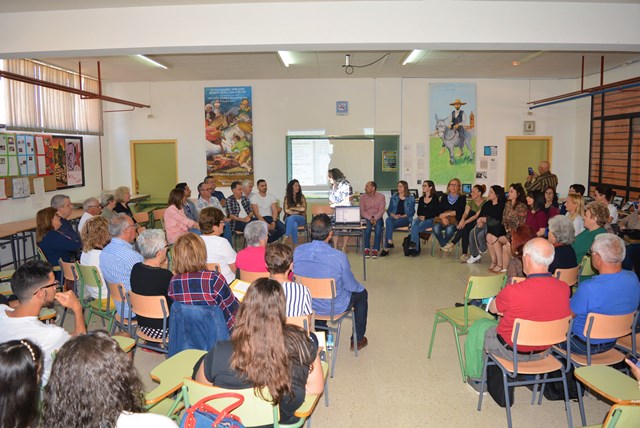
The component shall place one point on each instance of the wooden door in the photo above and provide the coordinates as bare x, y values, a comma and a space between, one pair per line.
154, 168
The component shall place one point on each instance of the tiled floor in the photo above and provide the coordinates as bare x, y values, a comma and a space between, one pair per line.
392, 383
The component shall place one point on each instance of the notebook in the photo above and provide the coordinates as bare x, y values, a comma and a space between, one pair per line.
347, 217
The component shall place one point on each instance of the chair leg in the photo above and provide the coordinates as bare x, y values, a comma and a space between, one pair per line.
483, 381
89, 319
326, 393
64, 315
507, 402
433, 334
110, 325
567, 404
581, 404
355, 335
455, 332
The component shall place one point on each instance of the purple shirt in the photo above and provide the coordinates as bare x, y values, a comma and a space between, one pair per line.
372, 206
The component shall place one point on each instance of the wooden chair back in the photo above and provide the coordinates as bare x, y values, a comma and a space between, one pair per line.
117, 292
68, 271
213, 267
570, 276
600, 326
148, 306
302, 321
320, 288
252, 276
141, 217
540, 333
158, 214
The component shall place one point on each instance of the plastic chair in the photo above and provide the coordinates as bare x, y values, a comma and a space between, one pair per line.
170, 375
102, 306
118, 294
68, 275
621, 416
125, 343
531, 333
42, 257
158, 214
303, 321
461, 318
570, 276
325, 288
151, 307
142, 218
252, 276
630, 343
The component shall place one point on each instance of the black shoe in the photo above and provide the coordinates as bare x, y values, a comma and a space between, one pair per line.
391, 245
412, 245
458, 304
384, 253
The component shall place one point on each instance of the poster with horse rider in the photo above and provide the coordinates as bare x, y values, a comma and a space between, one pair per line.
228, 121
452, 138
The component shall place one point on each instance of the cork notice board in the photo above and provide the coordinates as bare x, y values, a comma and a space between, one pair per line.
49, 183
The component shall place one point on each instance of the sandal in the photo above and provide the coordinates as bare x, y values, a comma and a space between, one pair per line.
498, 269
491, 267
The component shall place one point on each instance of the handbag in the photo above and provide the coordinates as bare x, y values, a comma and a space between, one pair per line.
495, 227
452, 220
202, 415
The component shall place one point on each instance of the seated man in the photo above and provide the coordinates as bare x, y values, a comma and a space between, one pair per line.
239, 208
91, 207
35, 286
62, 203
318, 259
540, 297
206, 199
118, 257
613, 292
279, 259
372, 206
211, 181
265, 207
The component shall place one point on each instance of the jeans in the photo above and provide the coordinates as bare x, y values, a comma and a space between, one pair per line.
276, 233
226, 232
376, 237
292, 223
579, 346
478, 241
464, 235
360, 303
449, 231
419, 226
390, 223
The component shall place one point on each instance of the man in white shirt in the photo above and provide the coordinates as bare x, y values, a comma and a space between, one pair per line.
35, 286
91, 207
265, 206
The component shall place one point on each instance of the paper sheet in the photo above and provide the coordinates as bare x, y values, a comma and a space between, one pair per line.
3, 195
239, 288
38, 189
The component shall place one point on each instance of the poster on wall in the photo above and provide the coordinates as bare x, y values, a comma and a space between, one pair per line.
452, 139
228, 119
68, 161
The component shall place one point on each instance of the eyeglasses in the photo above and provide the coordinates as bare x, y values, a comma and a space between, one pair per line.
53, 284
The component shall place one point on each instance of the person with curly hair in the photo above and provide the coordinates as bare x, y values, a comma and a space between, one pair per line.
596, 215
94, 384
21, 366
295, 210
265, 352
95, 236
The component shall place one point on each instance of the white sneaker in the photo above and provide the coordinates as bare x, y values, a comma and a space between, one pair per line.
474, 259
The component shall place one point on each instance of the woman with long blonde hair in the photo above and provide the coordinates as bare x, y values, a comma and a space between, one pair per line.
575, 208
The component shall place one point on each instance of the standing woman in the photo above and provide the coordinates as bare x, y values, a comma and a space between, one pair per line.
468, 220
176, 222
452, 206
339, 195
265, 352
402, 207
51, 239
428, 209
295, 210
515, 214
537, 217
551, 205
489, 221
575, 208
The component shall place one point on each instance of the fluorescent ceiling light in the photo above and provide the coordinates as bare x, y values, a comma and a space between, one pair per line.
414, 56
527, 59
150, 61
286, 58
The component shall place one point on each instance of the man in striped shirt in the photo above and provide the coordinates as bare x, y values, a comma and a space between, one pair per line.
279, 259
543, 180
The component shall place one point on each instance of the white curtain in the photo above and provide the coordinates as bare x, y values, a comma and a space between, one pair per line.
37, 108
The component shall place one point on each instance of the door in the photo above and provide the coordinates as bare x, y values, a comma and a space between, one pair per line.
525, 152
154, 168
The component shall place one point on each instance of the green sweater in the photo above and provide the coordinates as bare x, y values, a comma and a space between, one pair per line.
474, 347
583, 242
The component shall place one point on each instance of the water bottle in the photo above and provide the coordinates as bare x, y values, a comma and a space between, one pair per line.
329, 341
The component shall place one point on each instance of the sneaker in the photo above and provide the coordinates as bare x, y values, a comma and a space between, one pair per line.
374, 254
474, 259
367, 253
384, 253
476, 386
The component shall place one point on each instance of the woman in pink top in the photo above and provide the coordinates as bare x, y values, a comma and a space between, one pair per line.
251, 259
176, 223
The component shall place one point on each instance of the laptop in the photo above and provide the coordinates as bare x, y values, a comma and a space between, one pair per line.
347, 217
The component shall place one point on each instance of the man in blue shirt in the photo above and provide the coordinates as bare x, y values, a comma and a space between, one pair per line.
118, 257
613, 292
318, 259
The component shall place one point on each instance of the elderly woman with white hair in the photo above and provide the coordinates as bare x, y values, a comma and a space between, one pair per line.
108, 202
251, 259
562, 234
151, 277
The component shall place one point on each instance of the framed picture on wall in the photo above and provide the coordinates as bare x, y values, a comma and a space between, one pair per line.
529, 126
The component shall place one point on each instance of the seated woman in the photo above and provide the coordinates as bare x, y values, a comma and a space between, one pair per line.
194, 284
251, 258
122, 197
604, 195
295, 210
219, 250
452, 206
21, 365
523, 234
93, 384
515, 214
489, 220
428, 210
468, 221
596, 215
264, 352
551, 205
95, 236
537, 217
176, 222
52, 241
562, 235
402, 207
575, 208
151, 277
108, 203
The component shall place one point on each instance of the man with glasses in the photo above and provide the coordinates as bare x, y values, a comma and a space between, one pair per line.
62, 203
91, 207
35, 286
206, 200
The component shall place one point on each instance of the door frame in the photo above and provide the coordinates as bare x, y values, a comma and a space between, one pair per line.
514, 138
132, 144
